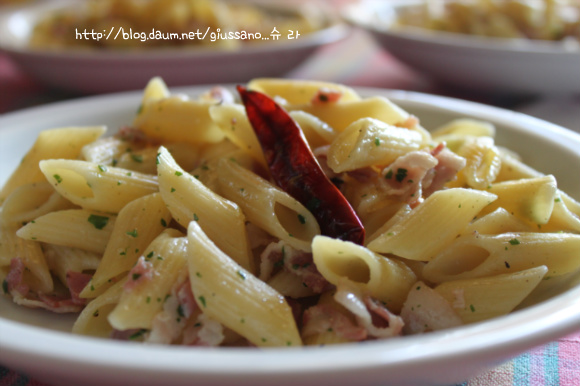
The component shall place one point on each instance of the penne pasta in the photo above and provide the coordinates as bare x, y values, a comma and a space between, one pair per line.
189, 200
477, 255
56, 143
386, 279
439, 220
267, 206
136, 226
484, 298
228, 293
367, 142
146, 290
174, 231
97, 187
75, 228
297, 92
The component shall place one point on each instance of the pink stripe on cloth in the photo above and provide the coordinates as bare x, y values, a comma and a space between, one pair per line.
569, 360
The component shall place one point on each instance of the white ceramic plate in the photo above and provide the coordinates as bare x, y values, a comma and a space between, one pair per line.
101, 72
518, 66
36, 342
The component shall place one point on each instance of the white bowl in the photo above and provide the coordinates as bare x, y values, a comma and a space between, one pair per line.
97, 71
36, 342
518, 66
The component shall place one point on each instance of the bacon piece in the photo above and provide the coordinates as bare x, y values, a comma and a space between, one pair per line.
76, 282
404, 176
15, 276
368, 312
324, 317
302, 265
448, 165
408, 123
299, 263
186, 299
426, 310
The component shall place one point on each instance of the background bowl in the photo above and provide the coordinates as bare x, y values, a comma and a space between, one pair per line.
517, 66
34, 341
98, 71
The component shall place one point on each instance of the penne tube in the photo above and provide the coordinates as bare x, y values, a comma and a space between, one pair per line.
93, 319
266, 206
97, 187
385, 279
300, 91
137, 225
145, 291
438, 220
56, 143
228, 293
188, 199
477, 255
30, 201
234, 123
367, 142
75, 228
530, 199
36, 275
484, 298
483, 162
177, 118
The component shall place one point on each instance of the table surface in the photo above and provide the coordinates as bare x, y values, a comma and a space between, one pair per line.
358, 61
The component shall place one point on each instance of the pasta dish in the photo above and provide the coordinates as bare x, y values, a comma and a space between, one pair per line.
525, 19
174, 23
284, 213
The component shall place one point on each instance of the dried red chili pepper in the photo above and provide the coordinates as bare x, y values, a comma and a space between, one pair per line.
295, 169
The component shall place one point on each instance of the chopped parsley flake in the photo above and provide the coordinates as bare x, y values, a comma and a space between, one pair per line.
377, 141
163, 222
132, 233
472, 308
401, 174
138, 334
301, 219
136, 276
242, 275
202, 301
195, 217
389, 174
102, 168
514, 241
5, 286
137, 158
98, 222
58, 178
178, 173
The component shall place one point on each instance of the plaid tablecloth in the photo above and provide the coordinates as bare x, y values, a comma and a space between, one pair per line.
357, 62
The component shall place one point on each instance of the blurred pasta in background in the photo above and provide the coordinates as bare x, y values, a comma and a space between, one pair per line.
193, 18
528, 19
